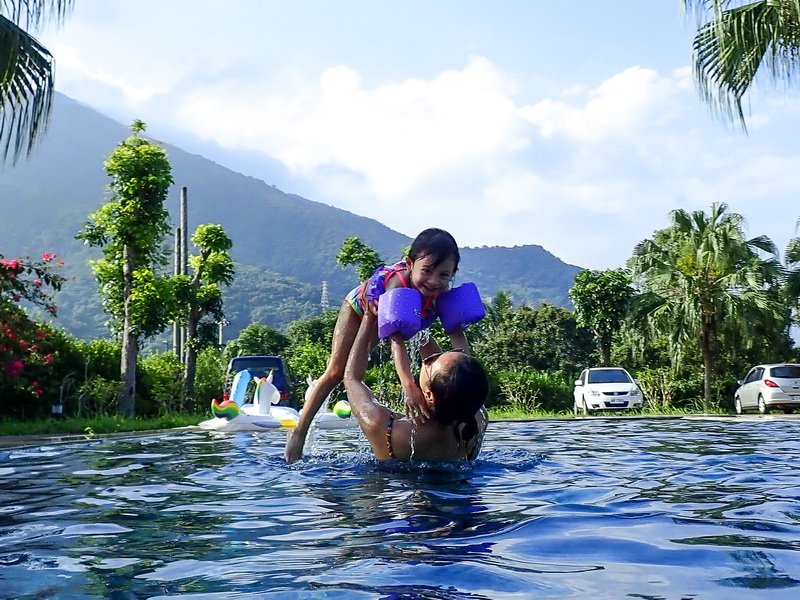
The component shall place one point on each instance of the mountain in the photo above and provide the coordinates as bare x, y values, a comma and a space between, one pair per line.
284, 245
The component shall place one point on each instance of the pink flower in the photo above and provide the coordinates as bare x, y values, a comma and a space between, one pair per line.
13, 368
37, 283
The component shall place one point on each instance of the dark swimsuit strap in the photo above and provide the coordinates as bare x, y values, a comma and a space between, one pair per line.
389, 427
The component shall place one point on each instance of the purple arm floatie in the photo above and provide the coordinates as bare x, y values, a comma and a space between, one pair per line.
399, 311
460, 307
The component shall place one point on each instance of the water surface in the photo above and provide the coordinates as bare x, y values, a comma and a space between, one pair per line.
657, 509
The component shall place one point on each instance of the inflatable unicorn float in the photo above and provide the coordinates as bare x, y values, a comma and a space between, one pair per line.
398, 311
262, 412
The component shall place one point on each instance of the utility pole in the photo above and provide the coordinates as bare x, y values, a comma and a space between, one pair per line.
184, 252
176, 270
181, 267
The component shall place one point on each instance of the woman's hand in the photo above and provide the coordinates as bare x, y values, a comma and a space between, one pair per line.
416, 406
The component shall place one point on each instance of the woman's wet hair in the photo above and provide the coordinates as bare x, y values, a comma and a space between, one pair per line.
437, 243
460, 389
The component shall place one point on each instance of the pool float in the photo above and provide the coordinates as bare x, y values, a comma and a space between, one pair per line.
341, 417
262, 413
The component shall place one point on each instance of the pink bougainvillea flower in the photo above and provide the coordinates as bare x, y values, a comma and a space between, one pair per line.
37, 283
13, 368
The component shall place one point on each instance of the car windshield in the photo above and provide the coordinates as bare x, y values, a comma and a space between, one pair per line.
785, 372
609, 376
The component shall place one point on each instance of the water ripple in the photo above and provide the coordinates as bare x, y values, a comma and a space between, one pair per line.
665, 509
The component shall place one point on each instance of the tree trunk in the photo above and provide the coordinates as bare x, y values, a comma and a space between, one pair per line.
605, 351
130, 347
191, 361
707, 348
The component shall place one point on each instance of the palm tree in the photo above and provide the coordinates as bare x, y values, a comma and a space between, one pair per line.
731, 46
26, 73
702, 281
792, 258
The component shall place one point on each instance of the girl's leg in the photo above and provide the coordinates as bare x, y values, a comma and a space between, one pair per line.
343, 335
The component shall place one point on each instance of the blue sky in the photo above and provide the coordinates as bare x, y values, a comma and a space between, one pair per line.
572, 125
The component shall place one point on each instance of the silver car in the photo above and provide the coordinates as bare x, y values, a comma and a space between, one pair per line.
769, 386
606, 388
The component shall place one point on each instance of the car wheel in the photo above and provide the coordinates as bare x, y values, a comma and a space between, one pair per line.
788, 410
762, 406
737, 405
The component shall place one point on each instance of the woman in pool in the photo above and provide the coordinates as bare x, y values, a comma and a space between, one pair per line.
431, 263
455, 388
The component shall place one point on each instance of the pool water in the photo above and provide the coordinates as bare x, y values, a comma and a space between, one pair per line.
656, 509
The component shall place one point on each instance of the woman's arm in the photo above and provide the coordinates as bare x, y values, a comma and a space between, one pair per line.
459, 340
372, 416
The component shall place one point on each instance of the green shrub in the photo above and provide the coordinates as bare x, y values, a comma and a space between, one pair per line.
530, 390
160, 385
209, 378
96, 396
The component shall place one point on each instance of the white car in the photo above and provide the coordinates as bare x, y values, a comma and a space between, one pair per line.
769, 386
606, 388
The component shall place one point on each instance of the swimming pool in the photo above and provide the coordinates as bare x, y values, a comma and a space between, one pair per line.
659, 509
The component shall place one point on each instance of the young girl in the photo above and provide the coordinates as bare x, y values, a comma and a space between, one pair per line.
429, 267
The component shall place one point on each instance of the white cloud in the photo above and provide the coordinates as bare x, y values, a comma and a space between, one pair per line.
394, 135
586, 173
75, 72
622, 106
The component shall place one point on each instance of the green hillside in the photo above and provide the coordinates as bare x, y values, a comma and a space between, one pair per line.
285, 245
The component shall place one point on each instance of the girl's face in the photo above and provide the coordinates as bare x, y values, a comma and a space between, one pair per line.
431, 280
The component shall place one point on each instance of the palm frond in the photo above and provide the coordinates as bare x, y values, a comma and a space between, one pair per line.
26, 88
30, 14
731, 47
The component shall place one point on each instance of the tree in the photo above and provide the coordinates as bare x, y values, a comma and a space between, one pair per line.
26, 72
545, 339
738, 38
793, 271
200, 295
257, 340
601, 303
701, 280
131, 228
355, 252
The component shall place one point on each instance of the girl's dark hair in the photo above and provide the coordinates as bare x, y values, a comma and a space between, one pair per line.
459, 392
437, 243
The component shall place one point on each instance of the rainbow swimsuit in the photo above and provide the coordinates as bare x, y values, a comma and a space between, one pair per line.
379, 280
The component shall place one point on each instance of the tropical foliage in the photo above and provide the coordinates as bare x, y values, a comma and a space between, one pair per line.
601, 303
131, 228
26, 72
365, 259
736, 40
702, 282
199, 295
